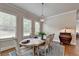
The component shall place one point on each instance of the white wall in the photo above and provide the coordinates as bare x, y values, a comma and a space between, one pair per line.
54, 24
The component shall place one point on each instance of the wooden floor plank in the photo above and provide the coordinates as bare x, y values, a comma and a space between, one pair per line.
5, 52
72, 50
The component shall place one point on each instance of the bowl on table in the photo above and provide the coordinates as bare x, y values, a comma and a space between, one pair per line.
26, 42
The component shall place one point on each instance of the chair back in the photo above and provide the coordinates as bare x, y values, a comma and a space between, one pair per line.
47, 42
51, 36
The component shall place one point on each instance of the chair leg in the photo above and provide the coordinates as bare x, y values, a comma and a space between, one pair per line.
48, 49
45, 53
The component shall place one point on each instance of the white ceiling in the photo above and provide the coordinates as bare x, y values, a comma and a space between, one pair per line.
50, 9
59, 22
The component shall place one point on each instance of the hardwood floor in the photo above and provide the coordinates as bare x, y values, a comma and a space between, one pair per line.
71, 50
5, 52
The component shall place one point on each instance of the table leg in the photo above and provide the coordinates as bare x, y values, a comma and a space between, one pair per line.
33, 50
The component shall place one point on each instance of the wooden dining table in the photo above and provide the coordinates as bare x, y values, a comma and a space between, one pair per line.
34, 42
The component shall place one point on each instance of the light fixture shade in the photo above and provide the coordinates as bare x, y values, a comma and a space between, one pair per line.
42, 18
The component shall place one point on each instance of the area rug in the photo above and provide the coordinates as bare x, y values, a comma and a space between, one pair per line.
57, 50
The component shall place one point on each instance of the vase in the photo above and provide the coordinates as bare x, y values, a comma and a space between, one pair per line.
42, 37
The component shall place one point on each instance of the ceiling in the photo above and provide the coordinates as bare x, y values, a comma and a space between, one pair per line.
50, 9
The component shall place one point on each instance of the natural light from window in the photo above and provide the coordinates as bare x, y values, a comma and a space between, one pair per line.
37, 28
27, 27
7, 25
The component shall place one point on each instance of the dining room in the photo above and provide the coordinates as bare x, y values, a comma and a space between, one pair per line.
33, 29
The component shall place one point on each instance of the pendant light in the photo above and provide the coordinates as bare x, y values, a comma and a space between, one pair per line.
42, 16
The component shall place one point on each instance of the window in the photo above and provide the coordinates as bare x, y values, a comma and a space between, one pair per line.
27, 27
7, 25
37, 27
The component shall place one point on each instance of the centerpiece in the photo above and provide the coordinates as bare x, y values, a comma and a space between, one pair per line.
42, 35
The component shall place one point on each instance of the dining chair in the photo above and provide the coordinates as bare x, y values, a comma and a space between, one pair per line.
43, 49
51, 36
